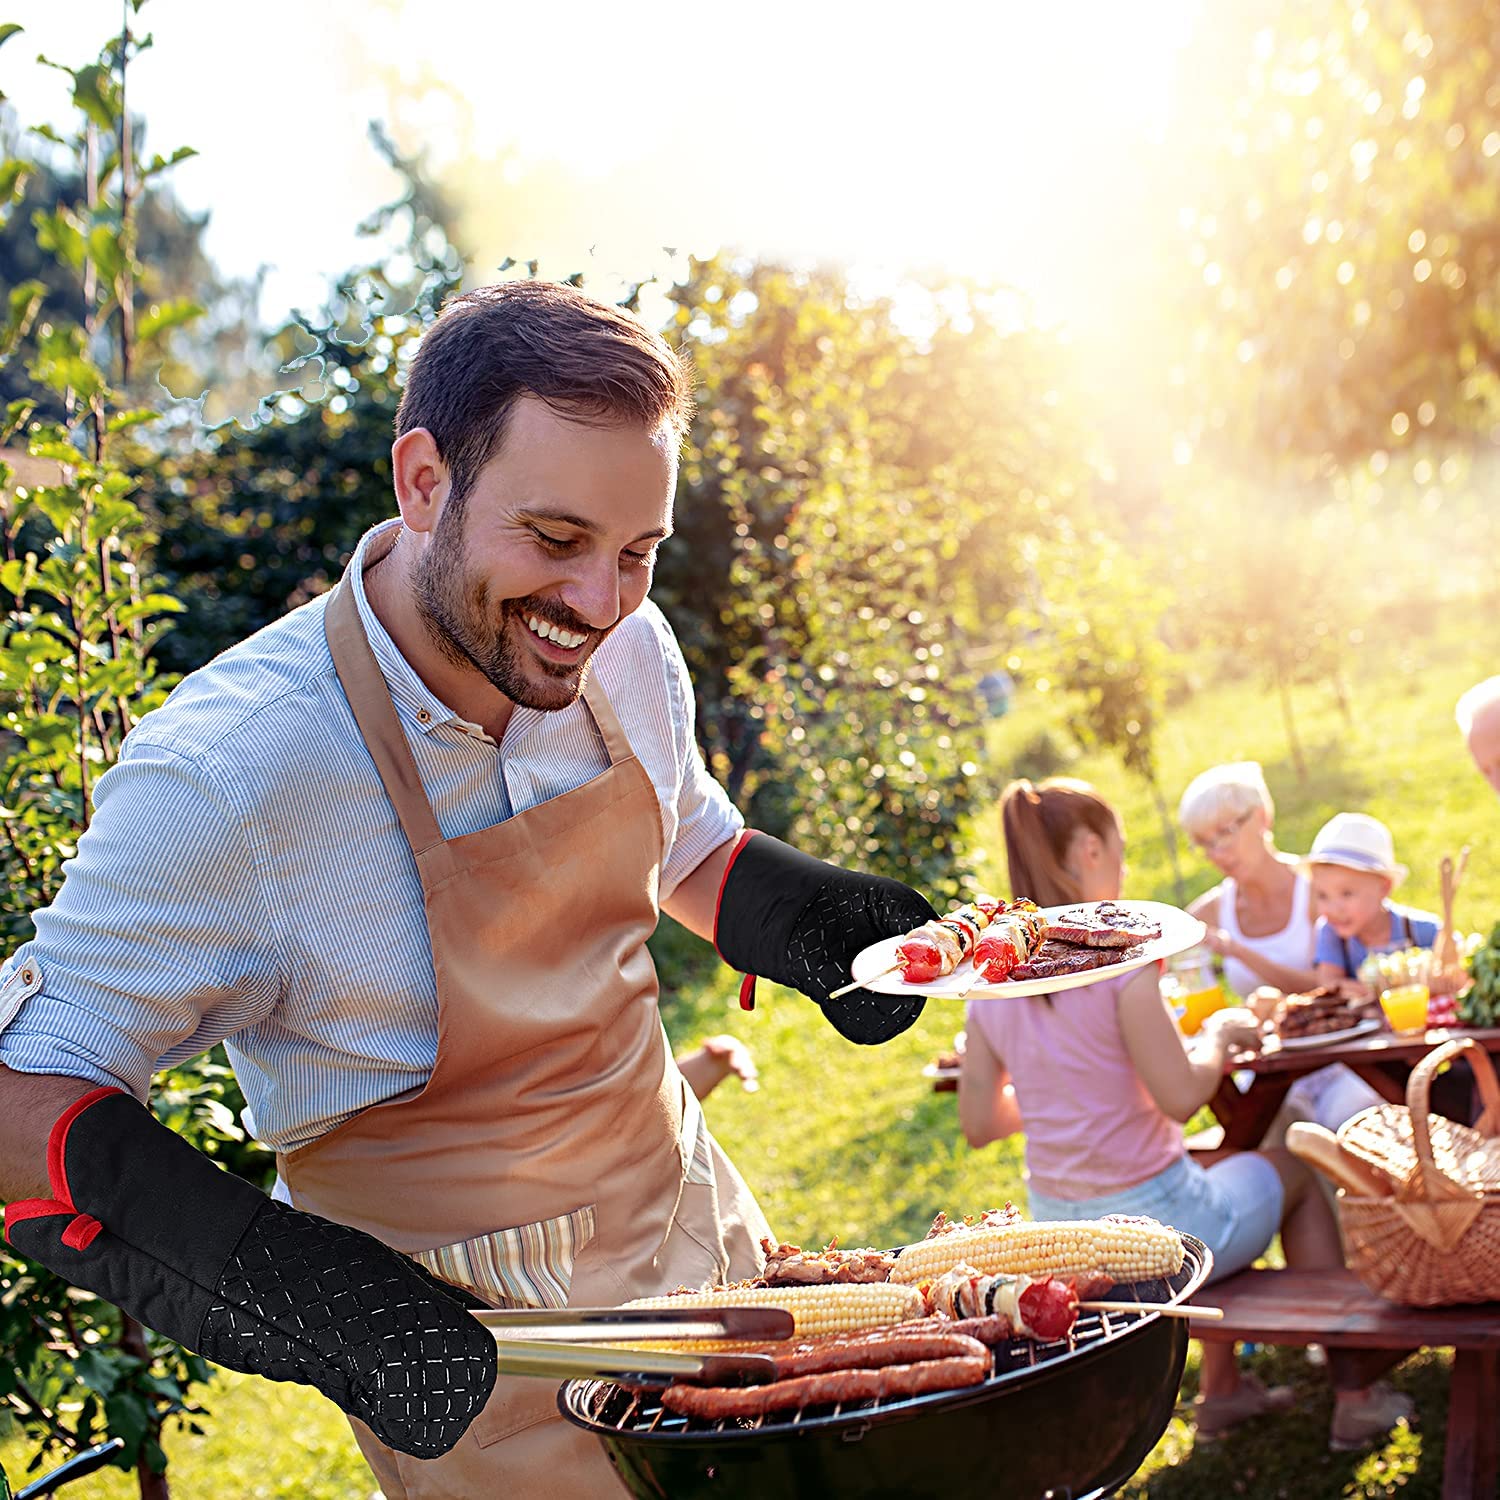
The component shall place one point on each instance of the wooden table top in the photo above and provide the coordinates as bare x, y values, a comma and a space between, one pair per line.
1372, 1047
1245, 1108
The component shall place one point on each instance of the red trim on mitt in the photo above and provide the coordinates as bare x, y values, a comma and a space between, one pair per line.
33, 1208
81, 1233
747, 984
739, 845
84, 1228
58, 1139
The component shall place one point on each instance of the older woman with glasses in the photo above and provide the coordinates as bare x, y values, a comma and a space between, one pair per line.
1260, 916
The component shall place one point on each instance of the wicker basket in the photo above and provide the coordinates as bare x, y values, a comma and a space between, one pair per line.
1436, 1241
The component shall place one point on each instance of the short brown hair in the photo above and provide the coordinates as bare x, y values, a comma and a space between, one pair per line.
588, 360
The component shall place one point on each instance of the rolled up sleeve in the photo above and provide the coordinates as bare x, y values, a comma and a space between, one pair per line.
706, 818
159, 943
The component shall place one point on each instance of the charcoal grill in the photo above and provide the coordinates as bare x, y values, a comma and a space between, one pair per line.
1069, 1420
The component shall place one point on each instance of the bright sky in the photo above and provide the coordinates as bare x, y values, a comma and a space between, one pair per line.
1001, 139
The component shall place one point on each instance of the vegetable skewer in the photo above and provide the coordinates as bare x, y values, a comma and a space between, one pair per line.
1004, 934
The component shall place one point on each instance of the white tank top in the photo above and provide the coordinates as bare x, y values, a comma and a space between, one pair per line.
1292, 946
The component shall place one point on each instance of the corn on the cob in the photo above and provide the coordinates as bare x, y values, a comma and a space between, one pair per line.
1122, 1249
840, 1307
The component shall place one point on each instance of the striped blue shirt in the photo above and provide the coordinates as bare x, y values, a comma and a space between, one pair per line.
245, 878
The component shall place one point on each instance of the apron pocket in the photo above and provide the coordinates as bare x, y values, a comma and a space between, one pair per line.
694, 1142
530, 1266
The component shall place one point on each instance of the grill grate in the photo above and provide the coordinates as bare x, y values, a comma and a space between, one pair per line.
605, 1406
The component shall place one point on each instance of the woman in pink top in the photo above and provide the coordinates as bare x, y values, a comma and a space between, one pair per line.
1101, 1081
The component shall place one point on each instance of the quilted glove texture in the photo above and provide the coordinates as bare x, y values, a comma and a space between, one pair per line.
196, 1253
788, 917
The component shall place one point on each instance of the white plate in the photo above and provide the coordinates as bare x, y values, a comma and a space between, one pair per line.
1327, 1038
1179, 932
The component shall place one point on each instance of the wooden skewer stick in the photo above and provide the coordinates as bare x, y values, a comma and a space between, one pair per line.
861, 984
974, 984
1166, 1309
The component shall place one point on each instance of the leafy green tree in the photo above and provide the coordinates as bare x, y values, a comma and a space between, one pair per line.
1280, 596
1098, 639
853, 519
83, 617
1345, 234
263, 516
213, 353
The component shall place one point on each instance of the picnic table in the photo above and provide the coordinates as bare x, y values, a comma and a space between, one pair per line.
1382, 1058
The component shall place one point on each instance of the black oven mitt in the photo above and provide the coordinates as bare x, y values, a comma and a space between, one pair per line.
198, 1254
786, 916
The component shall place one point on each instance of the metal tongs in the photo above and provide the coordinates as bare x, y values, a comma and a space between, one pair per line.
566, 1343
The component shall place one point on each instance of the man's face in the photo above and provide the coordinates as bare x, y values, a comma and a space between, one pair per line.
552, 547
1350, 899
1484, 743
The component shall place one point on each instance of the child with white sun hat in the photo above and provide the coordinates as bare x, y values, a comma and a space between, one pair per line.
1354, 869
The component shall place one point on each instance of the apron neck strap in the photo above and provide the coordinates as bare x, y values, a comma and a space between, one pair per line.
365, 687
610, 729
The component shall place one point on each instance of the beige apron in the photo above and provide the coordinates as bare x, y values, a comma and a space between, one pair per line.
555, 1154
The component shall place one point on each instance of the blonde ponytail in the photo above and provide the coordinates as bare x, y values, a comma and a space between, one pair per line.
1039, 824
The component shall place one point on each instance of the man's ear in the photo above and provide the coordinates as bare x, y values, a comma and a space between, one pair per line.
420, 479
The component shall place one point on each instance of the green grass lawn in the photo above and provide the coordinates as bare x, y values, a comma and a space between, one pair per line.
852, 1142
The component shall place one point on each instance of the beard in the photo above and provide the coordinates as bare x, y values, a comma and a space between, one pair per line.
471, 631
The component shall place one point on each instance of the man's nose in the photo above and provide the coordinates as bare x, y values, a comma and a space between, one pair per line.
593, 594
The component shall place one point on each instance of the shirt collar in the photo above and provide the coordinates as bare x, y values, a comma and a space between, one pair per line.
414, 700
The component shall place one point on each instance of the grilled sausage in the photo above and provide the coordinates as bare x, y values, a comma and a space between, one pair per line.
825, 1389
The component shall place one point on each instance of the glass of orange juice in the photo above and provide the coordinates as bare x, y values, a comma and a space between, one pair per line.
1194, 990
1405, 1007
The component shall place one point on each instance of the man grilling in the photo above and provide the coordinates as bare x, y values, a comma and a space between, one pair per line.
401, 851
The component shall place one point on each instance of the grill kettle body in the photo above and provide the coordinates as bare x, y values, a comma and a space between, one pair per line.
1076, 1423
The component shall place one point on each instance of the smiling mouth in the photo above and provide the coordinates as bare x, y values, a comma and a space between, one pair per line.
553, 635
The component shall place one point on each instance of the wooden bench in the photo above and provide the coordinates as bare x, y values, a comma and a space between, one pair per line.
1337, 1310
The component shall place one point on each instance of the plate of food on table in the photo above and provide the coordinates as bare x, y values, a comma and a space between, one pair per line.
990, 949
1321, 1017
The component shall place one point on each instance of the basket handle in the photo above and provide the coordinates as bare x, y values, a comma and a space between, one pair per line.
1418, 1089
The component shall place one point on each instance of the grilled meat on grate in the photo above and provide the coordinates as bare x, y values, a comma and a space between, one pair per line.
791, 1265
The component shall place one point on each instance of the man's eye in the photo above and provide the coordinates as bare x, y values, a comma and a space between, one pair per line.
639, 559
554, 543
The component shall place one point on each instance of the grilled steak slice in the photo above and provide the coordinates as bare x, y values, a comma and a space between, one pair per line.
1053, 960
1102, 925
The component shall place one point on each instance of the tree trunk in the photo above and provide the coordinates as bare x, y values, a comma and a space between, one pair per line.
1284, 688
1341, 695
133, 1341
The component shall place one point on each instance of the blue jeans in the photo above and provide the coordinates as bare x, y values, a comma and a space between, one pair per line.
1234, 1206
